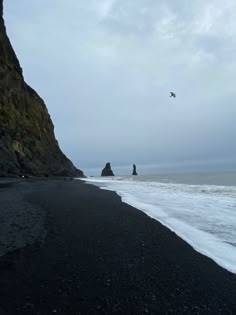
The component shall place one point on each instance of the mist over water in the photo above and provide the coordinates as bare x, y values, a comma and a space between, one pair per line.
178, 167
200, 208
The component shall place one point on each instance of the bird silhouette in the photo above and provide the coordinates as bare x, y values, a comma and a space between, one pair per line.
172, 94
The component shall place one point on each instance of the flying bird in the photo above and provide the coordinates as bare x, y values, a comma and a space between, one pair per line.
172, 94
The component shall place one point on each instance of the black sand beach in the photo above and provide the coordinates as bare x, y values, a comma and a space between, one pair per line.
86, 252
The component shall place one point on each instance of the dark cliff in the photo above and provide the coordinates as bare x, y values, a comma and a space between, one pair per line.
27, 140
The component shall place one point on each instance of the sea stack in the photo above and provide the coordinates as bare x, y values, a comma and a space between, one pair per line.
27, 142
134, 170
107, 171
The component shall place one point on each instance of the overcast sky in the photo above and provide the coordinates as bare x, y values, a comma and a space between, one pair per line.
105, 69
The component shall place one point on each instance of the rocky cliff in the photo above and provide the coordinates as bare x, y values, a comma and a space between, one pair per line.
27, 140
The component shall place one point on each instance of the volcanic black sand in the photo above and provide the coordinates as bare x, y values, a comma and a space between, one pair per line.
86, 252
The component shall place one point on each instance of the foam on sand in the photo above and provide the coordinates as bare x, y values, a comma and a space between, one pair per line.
202, 215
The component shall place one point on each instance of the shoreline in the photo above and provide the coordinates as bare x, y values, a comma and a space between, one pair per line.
102, 256
223, 252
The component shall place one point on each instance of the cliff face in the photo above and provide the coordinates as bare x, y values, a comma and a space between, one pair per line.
27, 140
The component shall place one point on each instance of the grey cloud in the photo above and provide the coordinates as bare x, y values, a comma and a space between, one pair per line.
105, 69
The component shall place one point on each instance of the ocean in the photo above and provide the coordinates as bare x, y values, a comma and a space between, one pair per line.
200, 208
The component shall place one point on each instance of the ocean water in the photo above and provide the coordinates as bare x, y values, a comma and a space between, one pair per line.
199, 208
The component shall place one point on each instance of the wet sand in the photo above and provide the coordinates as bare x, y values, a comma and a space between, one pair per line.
83, 251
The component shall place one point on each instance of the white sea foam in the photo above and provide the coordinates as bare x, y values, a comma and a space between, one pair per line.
202, 215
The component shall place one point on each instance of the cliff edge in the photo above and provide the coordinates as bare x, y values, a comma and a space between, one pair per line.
27, 141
